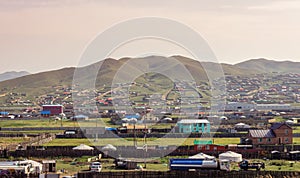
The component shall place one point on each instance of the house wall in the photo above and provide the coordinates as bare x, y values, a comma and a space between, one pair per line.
264, 141
54, 110
194, 128
282, 133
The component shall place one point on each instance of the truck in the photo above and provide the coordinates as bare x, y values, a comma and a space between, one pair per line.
245, 165
186, 164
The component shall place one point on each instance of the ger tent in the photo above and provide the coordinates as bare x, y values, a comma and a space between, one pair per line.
242, 125
109, 147
202, 156
231, 156
83, 147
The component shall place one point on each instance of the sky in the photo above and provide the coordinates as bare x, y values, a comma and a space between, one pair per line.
42, 35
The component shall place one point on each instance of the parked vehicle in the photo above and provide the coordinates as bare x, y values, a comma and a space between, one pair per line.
96, 167
245, 165
191, 163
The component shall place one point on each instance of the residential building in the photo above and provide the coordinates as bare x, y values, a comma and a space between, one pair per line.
279, 133
193, 126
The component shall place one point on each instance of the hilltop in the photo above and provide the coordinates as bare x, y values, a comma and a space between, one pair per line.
268, 66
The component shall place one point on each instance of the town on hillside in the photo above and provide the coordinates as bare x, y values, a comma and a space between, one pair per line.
157, 125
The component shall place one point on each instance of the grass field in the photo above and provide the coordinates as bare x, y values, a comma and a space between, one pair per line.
31, 131
46, 122
296, 129
5, 141
129, 141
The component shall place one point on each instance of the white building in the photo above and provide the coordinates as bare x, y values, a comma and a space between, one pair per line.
240, 106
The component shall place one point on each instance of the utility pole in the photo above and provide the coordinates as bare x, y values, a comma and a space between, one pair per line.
134, 138
145, 148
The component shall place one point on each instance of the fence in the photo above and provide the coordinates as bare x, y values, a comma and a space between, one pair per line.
181, 174
37, 140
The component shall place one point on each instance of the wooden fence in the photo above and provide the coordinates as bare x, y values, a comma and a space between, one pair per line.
182, 174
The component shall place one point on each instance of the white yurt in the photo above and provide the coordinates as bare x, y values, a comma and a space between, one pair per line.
202, 156
242, 125
83, 147
109, 147
231, 156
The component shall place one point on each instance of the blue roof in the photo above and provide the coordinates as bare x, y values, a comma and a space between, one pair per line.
3, 113
45, 112
131, 116
111, 129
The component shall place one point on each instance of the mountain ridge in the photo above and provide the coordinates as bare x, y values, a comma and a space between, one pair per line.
41, 83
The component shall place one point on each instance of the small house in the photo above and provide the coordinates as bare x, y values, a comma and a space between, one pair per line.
279, 133
193, 126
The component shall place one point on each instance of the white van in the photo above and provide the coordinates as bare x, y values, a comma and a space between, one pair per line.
96, 167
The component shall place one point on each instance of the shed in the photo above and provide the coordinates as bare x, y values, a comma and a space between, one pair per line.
49, 166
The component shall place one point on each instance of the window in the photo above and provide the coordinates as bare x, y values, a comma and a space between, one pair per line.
259, 139
207, 147
195, 129
286, 139
286, 131
269, 139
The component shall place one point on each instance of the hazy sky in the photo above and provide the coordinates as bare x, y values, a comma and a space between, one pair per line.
37, 35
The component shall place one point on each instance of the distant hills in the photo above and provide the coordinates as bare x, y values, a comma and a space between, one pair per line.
41, 83
267, 66
12, 75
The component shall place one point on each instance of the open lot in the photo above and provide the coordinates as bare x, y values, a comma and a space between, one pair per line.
6, 141
129, 141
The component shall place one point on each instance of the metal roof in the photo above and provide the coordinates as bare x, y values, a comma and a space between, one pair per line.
193, 121
45, 112
48, 161
278, 125
262, 133
48, 105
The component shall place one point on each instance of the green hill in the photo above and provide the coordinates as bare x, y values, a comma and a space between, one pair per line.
47, 82
268, 66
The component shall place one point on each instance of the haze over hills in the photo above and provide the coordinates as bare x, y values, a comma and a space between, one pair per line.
41, 83
12, 75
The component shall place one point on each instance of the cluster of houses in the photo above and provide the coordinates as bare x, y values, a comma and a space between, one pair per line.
264, 88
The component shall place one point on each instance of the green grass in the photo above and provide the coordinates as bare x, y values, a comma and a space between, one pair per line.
282, 165
32, 131
140, 142
50, 122
296, 140
296, 129
5, 141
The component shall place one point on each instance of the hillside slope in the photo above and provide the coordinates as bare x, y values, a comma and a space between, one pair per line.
42, 83
12, 75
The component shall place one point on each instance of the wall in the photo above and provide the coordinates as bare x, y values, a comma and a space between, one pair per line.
280, 133
181, 174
